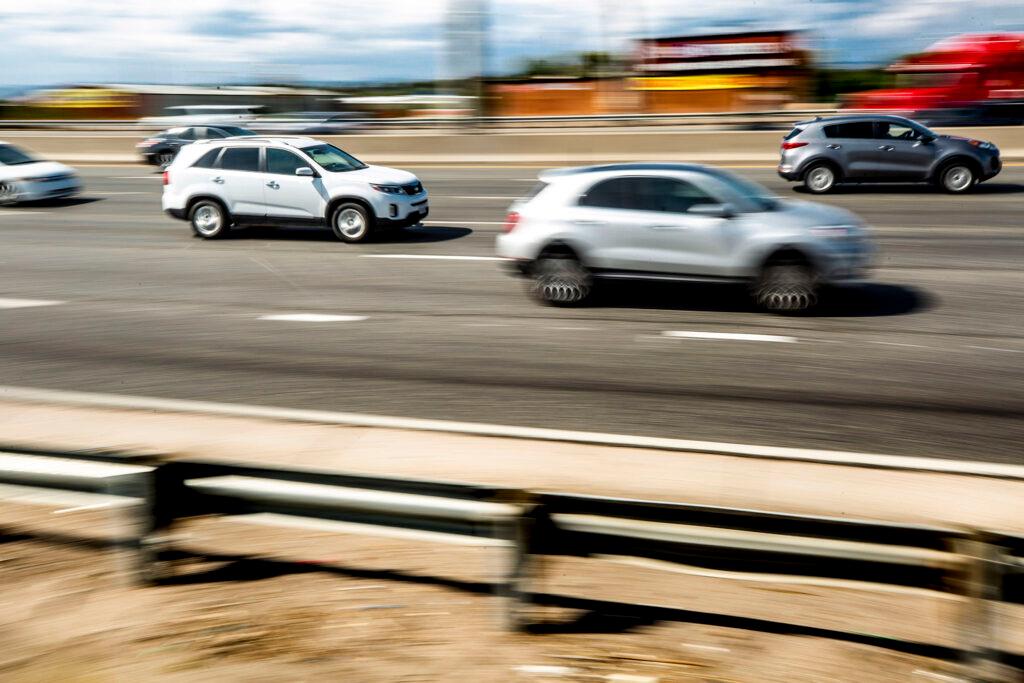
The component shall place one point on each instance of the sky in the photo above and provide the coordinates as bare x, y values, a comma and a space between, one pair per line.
46, 42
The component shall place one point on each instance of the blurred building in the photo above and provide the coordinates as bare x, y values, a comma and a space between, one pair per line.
561, 97
722, 72
132, 101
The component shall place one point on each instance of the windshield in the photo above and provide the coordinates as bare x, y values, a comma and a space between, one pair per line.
235, 131
333, 159
12, 156
754, 197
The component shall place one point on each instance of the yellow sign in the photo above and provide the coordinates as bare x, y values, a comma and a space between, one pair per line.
707, 82
85, 98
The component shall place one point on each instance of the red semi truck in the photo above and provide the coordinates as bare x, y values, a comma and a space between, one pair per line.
971, 78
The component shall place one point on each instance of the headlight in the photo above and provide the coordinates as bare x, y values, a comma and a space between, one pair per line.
981, 144
833, 231
388, 189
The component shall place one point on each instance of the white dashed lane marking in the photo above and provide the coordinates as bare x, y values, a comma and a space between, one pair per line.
993, 348
435, 257
313, 318
462, 223
27, 303
730, 336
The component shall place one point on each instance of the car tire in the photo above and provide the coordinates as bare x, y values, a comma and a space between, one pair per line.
164, 159
8, 193
561, 280
820, 178
350, 223
957, 178
209, 220
786, 288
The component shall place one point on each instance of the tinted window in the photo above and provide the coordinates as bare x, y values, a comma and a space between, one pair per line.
856, 130
535, 190
12, 156
280, 161
793, 133
208, 160
896, 131
187, 134
234, 131
617, 193
214, 133
240, 159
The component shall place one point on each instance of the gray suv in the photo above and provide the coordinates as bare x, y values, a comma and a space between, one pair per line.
678, 222
862, 148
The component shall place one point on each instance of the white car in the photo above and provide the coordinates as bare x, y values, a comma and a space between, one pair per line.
283, 180
24, 178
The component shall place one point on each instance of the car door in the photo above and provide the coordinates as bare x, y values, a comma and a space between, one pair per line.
291, 196
903, 153
606, 223
852, 144
676, 239
240, 182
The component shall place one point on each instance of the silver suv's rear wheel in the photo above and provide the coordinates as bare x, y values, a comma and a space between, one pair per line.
561, 281
786, 288
957, 178
820, 178
208, 219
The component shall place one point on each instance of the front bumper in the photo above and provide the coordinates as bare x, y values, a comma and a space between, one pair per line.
41, 190
399, 211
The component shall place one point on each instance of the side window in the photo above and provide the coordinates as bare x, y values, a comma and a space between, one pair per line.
240, 159
616, 193
895, 131
283, 162
214, 133
673, 196
208, 160
857, 130
188, 134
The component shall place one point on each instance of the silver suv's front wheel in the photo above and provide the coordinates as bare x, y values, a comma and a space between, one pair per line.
786, 288
957, 178
561, 281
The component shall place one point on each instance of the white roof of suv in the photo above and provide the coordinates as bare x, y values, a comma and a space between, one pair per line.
285, 140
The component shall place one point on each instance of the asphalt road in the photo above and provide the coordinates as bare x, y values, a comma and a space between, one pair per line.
927, 360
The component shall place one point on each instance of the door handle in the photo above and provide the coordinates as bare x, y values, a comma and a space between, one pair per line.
886, 148
834, 146
273, 185
218, 180
667, 227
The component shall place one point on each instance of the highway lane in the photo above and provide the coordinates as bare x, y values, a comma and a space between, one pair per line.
926, 361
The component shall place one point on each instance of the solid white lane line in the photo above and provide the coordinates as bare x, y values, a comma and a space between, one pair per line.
897, 462
27, 303
507, 198
313, 318
435, 257
14, 212
155, 176
731, 336
911, 346
462, 223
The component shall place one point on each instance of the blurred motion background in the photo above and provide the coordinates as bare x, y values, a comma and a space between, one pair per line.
944, 60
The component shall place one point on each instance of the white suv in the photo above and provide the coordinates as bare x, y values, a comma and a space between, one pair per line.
283, 180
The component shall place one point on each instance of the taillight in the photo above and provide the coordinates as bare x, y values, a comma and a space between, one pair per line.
167, 177
511, 221
793, 145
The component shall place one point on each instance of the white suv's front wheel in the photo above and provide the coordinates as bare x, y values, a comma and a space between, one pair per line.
350, 223
209, 220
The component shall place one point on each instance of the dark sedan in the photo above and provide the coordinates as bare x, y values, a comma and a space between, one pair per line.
160, 149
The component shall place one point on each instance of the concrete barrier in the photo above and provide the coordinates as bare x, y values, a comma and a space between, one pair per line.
543, 148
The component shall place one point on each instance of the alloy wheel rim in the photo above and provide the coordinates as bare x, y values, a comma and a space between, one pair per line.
821, 178
207, 220
351, 223
563, 283
7, 193
958, 178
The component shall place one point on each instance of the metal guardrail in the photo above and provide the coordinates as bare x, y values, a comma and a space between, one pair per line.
982, 567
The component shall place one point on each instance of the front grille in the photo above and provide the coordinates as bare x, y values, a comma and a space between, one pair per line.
413, 188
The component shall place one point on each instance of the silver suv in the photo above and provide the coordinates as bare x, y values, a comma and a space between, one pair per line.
861, 148
678, 222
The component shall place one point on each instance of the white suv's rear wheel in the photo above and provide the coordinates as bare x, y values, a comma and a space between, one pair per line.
350, 223
561, 281
208, 219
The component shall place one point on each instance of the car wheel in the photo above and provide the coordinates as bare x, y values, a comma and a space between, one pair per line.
561, 281
209, 220
164, 159
957, 178
8, 193
786, 288
350, 223
820, 178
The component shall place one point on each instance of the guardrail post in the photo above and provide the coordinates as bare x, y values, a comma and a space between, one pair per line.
515, 585
981, 585
155, 519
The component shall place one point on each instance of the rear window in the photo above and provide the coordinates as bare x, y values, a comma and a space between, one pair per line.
240, 159
858, 130
208, 160
793, 133
535, 190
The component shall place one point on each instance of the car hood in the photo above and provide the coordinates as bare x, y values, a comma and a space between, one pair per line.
805, 215
36, 168
382, 175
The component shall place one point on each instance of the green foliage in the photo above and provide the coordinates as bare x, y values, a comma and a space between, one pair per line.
830, 84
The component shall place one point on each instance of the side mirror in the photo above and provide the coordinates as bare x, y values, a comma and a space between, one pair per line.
927, 139
713, 210
305, 171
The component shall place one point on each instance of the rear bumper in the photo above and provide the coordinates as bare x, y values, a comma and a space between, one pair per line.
176, 213
788, 172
